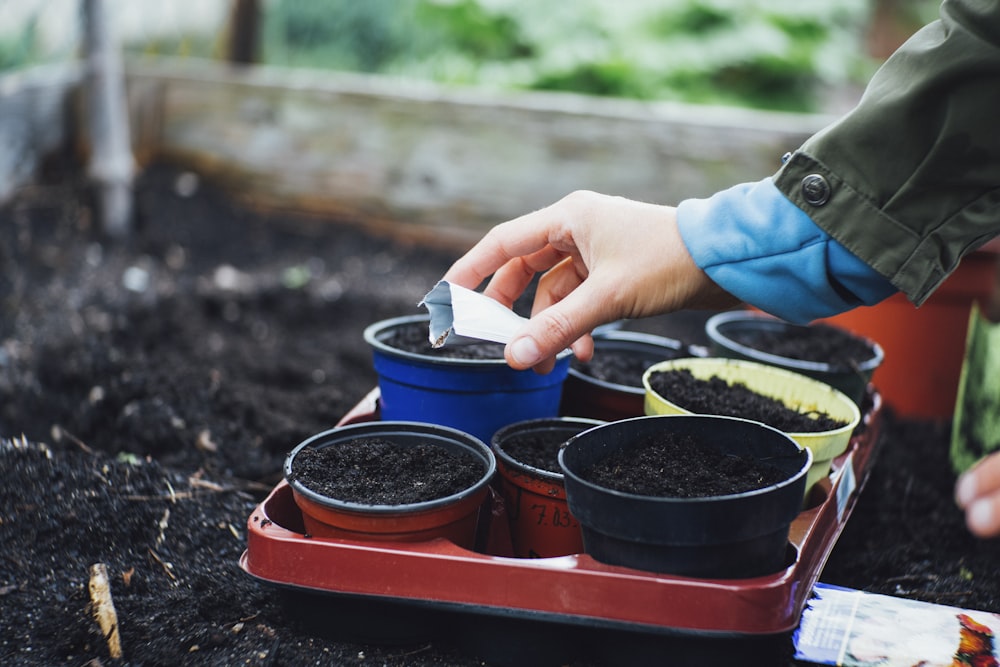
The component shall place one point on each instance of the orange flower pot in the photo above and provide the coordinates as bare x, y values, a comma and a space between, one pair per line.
454, 517
924, 347
541, 525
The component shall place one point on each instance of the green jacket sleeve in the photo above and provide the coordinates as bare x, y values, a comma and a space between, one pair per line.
909, 181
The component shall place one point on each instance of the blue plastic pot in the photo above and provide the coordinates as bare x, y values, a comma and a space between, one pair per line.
478, 396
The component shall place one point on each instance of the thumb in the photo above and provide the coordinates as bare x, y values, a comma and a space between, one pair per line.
550, 331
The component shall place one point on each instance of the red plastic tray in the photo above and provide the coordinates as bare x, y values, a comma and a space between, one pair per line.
569, 590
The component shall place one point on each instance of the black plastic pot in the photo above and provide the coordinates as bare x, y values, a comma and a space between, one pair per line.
739, 334
588, 396
726, 537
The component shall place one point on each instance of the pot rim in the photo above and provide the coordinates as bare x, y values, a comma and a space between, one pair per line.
642, 338
365, 429
803, 380
374, 330
668, 500
532, 424
714, 330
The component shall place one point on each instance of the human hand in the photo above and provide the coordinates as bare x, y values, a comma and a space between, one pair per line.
978, 493
604, 258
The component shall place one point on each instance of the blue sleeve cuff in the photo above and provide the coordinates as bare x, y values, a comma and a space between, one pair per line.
761, 248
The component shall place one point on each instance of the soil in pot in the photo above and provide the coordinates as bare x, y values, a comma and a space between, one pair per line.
716, 396
678, 465
533, 488
826, 353
466, 386
617, 366
413, 338
536, 449
609, 386
391, 481
726, 516
376, 471
819, 343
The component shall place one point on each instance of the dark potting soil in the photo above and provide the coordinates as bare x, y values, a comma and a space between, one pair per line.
680, 466
618, 366
538, 449
819, 343
160, 383
716, 396
414, 338
377, 471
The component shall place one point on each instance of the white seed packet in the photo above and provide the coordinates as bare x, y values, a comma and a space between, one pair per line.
457, 312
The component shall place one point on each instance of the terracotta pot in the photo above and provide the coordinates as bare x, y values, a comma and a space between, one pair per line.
541, 525
794, 390
454, 517
726, 536
924, 347
733, 334
478, 396
589, 396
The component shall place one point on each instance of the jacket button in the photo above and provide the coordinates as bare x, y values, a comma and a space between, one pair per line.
815, 189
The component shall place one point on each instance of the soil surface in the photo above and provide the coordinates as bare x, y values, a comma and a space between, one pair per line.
413, 338
159, 383
819, 343
621, 366
680, 466
378, 471
716, 396
540, 448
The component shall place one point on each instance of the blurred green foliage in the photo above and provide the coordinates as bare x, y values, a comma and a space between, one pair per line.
777, 54
19, 49
774, 54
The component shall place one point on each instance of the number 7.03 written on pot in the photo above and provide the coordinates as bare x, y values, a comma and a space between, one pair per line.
548, 515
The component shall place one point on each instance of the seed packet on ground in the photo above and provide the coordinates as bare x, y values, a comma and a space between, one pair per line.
850, 628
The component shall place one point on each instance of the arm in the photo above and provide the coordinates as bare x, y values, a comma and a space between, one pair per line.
603, 258
912, 174
764, 250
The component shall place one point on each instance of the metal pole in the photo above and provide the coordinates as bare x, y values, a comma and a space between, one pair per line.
111, 167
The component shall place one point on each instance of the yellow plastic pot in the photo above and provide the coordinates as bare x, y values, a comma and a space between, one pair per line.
794, 390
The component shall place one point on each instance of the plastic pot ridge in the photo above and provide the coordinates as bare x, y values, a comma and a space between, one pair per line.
730, 536
453, 517
589, 396
793, 389
731, 334
478, 396
541, 525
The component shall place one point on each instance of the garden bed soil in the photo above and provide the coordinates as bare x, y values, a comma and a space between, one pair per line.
716, 396
149, 392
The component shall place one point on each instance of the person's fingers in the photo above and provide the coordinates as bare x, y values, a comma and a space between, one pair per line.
979, 480
982, 516
516, 238
557, 327
511, 279
978, 493
557, 283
